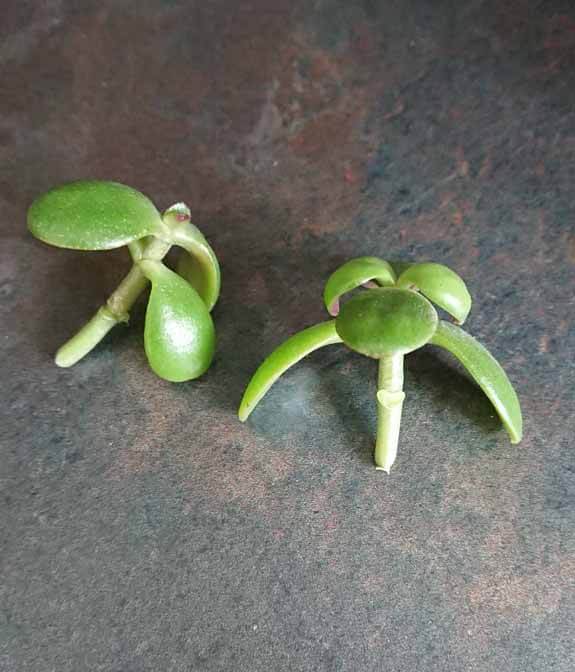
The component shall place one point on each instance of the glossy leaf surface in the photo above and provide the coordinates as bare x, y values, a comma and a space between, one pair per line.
92, 215
353, 274
386, 321
289, 353
486, 371
441, 285
198, 264
179, 335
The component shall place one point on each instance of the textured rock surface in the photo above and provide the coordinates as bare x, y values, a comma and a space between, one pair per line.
144, 528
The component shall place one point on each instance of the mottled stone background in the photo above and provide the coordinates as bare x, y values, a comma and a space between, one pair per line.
143, 528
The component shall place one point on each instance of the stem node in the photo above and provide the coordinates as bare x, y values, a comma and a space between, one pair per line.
117, 307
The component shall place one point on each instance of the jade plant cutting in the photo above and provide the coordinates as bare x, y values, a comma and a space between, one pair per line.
179, 336
388, 318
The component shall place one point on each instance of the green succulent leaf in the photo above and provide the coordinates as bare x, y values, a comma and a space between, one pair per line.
353, 274
289, 353
441, 285
487, 373
198, 264
92, 215
179, 335
386, 321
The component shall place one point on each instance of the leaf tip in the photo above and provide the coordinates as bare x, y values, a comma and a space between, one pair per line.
244, 412
333, 308
179, 211
62, 360
462, 317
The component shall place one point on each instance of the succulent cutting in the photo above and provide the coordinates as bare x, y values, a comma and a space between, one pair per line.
389, 318
179, 335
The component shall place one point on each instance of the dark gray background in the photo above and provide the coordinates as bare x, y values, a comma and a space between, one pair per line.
143, 527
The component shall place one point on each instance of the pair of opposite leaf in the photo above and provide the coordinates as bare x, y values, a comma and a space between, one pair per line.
179, 335
391, 318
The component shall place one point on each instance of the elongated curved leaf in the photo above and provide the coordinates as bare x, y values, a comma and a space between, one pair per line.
179, 335
441, 285
92, 215
289, 353
353, 274
486, 371
198, 264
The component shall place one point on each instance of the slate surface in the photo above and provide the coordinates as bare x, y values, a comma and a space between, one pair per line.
143, 527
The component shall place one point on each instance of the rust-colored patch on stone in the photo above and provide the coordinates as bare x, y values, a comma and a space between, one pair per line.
486, 166
161, 418
258, 292
455, 208
456, 113
514, 597
331, 523
462, 165
457, 217
234, 468
448, 220
323, 522
398, 109
317, 137
313, 121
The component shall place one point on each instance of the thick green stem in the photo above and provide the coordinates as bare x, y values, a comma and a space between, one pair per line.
390, 398
117, 307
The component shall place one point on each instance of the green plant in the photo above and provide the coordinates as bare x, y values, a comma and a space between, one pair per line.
179, 336
392, 318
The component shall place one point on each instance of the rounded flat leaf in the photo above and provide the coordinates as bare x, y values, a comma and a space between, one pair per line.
353, 274
179, 335
441, 285
386, 321
287, 354
92, 215
487, 373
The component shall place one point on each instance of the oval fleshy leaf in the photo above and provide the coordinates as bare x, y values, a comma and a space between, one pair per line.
282, 358
441, 285
198, 264
353, 274
92, 215
487, 373
386, 321
179, 335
